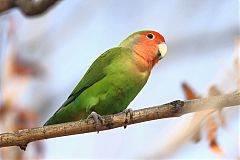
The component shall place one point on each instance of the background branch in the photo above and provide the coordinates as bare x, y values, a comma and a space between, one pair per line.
174, 109
27, 7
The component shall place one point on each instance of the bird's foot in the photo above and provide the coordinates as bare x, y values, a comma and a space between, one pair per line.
130, 112
97, 119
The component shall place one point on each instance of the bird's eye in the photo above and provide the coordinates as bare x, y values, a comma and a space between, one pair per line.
150, 36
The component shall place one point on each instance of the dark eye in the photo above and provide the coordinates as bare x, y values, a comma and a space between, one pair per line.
150, 36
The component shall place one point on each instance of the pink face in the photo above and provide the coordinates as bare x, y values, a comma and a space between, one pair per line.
152, 37
151, 46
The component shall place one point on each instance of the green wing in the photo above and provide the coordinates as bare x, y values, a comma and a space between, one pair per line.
95, 73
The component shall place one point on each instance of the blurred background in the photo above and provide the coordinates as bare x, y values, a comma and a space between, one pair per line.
43, 58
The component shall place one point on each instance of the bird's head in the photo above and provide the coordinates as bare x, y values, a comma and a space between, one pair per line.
149, 45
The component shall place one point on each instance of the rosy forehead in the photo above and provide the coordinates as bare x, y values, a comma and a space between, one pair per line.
157, 35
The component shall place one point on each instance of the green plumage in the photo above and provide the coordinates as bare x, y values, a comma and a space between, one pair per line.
109, 85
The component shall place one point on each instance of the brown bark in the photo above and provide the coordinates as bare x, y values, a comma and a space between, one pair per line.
174, 109
27, 7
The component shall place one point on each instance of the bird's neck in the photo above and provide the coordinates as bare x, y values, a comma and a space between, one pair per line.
145, 57
142, 64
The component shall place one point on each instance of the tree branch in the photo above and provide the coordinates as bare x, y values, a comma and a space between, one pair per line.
27, 7
174, 109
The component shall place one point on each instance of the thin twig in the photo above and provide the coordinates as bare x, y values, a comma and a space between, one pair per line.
27, 7
174, 109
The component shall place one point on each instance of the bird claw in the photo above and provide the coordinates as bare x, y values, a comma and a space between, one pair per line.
130, 112
97, 119
23, 147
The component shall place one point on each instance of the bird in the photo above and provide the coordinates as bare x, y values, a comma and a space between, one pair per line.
114, 79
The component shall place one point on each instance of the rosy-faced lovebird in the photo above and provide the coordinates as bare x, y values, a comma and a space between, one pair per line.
114, 79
